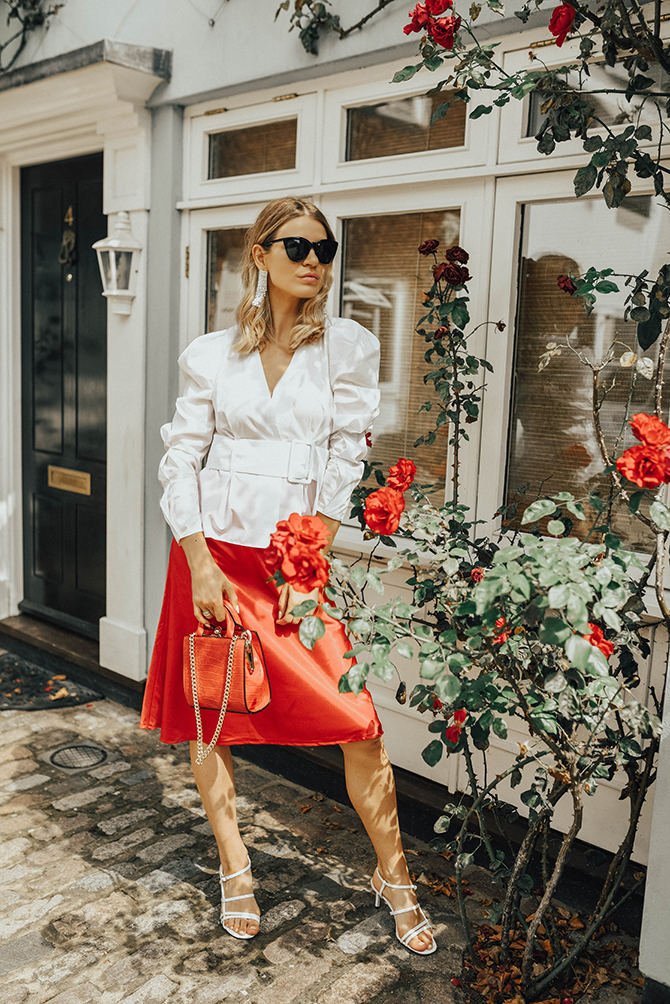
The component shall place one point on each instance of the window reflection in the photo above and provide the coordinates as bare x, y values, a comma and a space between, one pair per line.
224, 287
552, 437
383, 276
391, 128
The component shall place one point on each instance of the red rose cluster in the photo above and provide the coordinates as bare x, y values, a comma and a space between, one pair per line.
453, 733
598, 640
295, 547
504, 635
647, 465
561, 22
384, 507
427, 17
565, 283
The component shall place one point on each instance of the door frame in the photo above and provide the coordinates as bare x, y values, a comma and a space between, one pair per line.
96, 108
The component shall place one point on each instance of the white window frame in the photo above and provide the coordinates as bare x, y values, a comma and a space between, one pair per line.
212, 122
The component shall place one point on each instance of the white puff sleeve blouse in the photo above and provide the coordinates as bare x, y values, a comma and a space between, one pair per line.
300, 449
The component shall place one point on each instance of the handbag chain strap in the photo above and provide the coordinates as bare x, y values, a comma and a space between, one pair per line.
202, 751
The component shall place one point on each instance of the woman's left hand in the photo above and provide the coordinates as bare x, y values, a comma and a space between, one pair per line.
290, 598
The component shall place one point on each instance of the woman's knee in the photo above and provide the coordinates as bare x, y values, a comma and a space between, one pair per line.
369, 748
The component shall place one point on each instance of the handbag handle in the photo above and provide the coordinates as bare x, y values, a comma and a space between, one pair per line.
230, 628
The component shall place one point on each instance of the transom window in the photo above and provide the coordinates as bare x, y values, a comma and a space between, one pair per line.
258, 149
392, 128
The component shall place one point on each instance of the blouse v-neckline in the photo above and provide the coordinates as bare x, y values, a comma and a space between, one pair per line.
271, 393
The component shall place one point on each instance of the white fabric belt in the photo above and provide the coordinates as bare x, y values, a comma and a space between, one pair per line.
300, 463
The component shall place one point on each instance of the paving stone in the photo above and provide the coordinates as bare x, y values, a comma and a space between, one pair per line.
155, 991
27, 914
8, 898
127, 972
101, 911
81, 798
16, 848
25, 822
225, 947
81, 994
95, 882
204, 828
369, 931
162, 848
179, 819
220, 988
110, 769
360, 983
137, 778
24, 783
66, 965
294, 982
23, 951
15, 994
280, 914
9, 803
339, 910
118, 823
437, 990
52, 831
162, 913
15, 752
13, 874
15, 768
289, 944
117, 847
170, 874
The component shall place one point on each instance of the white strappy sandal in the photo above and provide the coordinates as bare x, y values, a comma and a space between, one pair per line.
423, 925
229, 915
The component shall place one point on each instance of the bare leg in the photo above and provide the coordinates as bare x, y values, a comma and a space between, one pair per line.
371, 788
216, 783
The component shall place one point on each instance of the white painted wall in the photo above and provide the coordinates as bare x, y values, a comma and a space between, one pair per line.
243, 47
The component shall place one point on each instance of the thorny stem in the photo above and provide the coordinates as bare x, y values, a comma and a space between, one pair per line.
660, 367
359, 24
512, 893
457, 419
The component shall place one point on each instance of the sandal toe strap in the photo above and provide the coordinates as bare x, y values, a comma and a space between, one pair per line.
423, 926
229, 914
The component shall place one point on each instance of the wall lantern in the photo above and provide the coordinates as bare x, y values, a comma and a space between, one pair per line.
117, 260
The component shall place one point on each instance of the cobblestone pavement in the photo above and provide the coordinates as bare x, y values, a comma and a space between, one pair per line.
108, 888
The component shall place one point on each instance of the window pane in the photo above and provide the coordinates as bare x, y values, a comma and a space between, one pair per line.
259, 149
611, 109
552, 437
383, 276
224, 288
403, 126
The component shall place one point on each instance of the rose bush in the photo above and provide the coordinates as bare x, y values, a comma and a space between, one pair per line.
561, 22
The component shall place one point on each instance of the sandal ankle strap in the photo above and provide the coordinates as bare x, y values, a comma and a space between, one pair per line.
226, 878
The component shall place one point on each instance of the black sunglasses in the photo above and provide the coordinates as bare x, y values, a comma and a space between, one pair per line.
297, 248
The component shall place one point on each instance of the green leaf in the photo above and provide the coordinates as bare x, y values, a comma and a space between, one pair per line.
543, 722
303, 608
554, 631
635, 500
430, 668
607, 287
660, 514
643, 132
538, 510
555, 527
405, 649
448, 688
585, 179
310, 630
481, 110
559, 595
440, 112
460, 315
500, 727
576, 509
432, 754
406, 73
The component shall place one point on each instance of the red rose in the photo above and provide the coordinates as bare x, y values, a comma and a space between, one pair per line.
504, 635
451, 272
650, 430
419, 18
308, 530
428, 247
444, 29
304, 568
453, 733
460, 716
437, 704
368, 440
597, 639
437, 7
383, 510
477, 574
566, 284
401, 475
561, 22
440, 333
457, 254
645, 466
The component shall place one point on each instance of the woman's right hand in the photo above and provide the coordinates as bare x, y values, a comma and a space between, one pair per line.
208, 582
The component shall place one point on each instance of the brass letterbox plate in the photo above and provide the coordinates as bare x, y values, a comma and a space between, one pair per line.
69, 481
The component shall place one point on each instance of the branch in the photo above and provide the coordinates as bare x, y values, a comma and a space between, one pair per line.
343, 32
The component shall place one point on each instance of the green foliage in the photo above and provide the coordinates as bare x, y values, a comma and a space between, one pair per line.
27, 15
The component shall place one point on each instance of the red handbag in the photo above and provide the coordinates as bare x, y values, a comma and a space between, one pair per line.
224, 669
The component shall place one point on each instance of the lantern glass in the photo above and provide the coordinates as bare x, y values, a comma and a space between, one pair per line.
106, 269
123, 263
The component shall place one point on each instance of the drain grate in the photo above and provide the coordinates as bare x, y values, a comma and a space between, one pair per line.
76, 757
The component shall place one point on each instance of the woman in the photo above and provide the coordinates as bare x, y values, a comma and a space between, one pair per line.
280, 404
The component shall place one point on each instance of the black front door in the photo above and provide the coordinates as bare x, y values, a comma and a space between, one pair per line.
64, 393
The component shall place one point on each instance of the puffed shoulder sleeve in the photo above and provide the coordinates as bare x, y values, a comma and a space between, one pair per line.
354, 377
187, 439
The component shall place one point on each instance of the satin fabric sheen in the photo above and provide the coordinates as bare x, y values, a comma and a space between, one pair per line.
306, 708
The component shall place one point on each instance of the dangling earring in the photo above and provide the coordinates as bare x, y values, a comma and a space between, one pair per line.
261, 289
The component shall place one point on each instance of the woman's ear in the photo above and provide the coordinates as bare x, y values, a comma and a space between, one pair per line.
259, 252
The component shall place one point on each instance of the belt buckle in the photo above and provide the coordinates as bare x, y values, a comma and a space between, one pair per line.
299, 460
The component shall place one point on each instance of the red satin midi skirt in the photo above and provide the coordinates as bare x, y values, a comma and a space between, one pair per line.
306, 708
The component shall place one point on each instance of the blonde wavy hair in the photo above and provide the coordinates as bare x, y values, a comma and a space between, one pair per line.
255, 323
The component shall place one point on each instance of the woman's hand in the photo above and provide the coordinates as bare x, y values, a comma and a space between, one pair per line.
208, 582
290, 598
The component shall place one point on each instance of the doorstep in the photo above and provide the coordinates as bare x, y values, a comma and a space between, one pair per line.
59, 650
